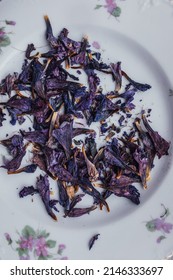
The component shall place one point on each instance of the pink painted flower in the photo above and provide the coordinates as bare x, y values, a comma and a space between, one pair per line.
8, 238
61, 247
35, 242
110, 5
167, 227
160, 224
2, 32
41, 247
96, 45
26, 243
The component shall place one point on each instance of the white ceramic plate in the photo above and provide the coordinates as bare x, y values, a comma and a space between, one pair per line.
138, 33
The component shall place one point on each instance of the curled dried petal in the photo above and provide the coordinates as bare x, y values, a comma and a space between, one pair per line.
44, 191
92, 171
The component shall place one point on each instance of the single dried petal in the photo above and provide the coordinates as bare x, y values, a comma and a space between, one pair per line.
138, 86
92, 171
63, 135
117, 75
143, 162
129, 192
44, 191
15, 163
25, 191
92, 240
27, 169
63, 196
160, 144
78, 212
2, 115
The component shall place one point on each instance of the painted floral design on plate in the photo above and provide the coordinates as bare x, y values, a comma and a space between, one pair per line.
4, 34
33, 244
160, 225
111, 6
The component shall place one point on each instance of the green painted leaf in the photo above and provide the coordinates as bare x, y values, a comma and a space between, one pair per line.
97, 7
151, 226
51, 243
22, 252
41, 257
168, 212
8, 238
4, 41
44, 234
160, 238
10, 242
116, 12
28, 231
2, 29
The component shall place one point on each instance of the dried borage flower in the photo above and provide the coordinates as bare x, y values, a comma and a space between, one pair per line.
48, 90
92, 240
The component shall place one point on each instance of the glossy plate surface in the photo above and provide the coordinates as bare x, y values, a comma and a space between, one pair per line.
139, 35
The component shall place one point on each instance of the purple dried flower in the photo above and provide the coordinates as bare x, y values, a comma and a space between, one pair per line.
121, 119
117, 75
160, 144
28, 51
143, 165
92, 171
130, 192
92, 240
25, 191
44, 191
78, 212
63, 196
39, 137
8, 84
15, 163
13, 144
2, 115
138, 86
54, 97
49, 33
64, 136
